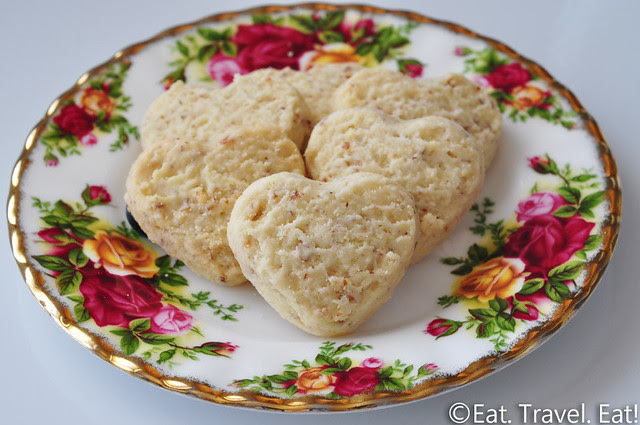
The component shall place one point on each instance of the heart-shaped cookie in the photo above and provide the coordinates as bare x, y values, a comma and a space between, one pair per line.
181, 194
433, 158
316, 85
200, 112
452, 96
325, 256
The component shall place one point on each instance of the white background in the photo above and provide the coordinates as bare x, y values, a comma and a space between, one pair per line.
590, 46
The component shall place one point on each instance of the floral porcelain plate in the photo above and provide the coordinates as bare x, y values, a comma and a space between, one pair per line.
527, 255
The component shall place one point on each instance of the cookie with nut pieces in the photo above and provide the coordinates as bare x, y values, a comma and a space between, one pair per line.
325, 256
452, 96
316, 85
433, 158
181, 193
198, 112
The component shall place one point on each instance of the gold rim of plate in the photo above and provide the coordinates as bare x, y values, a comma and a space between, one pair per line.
476, 370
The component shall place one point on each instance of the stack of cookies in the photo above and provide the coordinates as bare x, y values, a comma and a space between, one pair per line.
319, 187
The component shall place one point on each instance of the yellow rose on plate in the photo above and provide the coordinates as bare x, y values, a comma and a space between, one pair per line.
120, 255
93, 101
498, 277
313, 380
528, 96
329, 53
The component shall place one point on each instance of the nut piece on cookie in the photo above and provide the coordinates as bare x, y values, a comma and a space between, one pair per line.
316, 85
196, 112
325, 256
181, 193
432, 158
452, 96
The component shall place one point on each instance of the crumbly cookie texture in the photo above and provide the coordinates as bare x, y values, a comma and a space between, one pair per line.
452, 96
182, 193
316, 85
433, 158
199, 112
325, 256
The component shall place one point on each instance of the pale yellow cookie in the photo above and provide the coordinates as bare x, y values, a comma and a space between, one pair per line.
200, 112
325, 256
316, 85
182, 193
452, 96
433, 158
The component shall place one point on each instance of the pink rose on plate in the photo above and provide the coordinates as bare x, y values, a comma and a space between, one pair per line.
268, 45
540, 203
481, 81
89, 139
51, 161
223, 68
507, 77
544, 242
116, 300
372, 363
170, 320
354, 381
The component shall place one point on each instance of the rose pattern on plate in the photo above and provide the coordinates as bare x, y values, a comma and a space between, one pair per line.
113, 277
145, 323
334, 376
293, 41
528, 263
516, 90
96, 108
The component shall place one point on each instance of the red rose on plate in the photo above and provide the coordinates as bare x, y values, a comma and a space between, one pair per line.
532, 314
62, 242
366, 25
224, 349
413, 70
437, 327
53, 235
540, 203
545, 241
542, 164
75, 120
354, 381
507, 77
171, 321
268, 45
116, 300
96, 195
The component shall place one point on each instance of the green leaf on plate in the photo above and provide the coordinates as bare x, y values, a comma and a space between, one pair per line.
140, 325
565, 211
129, 344
81, 313
567, 271
531, 286
78, 258
51, 262
477, 253
498, 304
68, 281
593, 200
